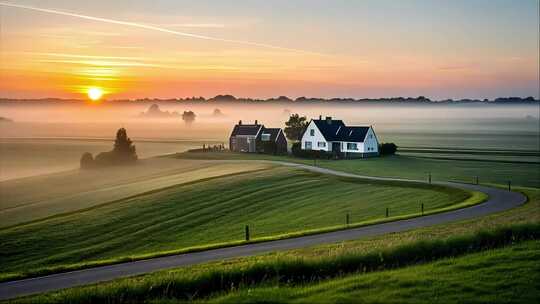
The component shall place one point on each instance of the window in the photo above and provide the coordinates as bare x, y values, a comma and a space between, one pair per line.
265, 137
312, 132
321, 144
352, 146
308, 145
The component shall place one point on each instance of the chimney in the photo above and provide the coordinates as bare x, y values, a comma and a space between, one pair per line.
320, 117
329, 120
256, 122
240, 122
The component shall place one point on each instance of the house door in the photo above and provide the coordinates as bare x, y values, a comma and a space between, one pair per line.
336, 147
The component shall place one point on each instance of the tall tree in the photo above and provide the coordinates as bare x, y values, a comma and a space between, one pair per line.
295, 126
123, 146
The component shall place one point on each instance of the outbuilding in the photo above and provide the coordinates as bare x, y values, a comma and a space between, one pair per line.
255, 137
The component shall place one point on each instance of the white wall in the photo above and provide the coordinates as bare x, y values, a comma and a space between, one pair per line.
318, 137
371, 142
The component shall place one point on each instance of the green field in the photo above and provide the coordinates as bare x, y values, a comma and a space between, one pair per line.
508, 275
272, 201
34, 198
412, 167
479, 277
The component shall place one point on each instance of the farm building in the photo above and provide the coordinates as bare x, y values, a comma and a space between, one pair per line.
332, 135
256, 138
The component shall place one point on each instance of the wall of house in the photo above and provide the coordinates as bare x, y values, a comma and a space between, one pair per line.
318, 137
371, 144
281, 143
242, 143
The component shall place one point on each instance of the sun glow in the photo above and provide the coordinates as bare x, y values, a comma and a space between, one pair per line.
95, 93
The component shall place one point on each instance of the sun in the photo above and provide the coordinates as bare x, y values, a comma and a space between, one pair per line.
95, 93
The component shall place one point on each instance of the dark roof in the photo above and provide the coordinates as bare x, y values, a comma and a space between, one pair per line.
336, 130
329, 128
353, 134
246, 130
274, 132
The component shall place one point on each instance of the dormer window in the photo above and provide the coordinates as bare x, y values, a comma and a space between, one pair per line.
265, 137
312, 132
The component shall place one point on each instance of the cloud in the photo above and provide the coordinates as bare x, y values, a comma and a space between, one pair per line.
196, 25
156, 28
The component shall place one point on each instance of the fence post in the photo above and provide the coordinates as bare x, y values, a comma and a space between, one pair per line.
386, 211
429, 177
509, 186
476, 180
247, 233
347, 219
422, 208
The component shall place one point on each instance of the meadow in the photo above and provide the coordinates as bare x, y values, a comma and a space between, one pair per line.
410, 167
272, 201
474, 256
75, 219
29, 199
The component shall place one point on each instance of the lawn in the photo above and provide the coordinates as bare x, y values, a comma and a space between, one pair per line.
273, 201
507, 275
412, 167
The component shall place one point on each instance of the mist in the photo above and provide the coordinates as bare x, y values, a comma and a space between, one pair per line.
51, 137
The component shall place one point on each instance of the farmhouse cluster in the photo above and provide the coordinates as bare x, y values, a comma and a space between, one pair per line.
324, 135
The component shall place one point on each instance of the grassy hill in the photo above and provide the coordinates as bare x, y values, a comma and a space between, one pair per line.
491, 275
33, 198
272, 201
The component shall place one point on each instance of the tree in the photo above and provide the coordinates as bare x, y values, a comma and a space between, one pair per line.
123, 147
87, 160
188, 117
295, 126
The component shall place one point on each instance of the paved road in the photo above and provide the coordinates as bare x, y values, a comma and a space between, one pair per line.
499, 200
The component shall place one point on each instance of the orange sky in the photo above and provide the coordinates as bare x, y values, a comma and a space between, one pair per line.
179, 49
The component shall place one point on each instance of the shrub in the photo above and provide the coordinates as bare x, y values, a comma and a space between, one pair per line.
387, 149
298, 152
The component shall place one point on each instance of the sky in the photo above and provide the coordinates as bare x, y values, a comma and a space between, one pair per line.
261, 49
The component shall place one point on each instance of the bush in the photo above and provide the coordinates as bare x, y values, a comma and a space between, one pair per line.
298, 152
387, 149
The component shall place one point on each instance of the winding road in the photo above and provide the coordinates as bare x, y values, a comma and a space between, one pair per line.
499, 200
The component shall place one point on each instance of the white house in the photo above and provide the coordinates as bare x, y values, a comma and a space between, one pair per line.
332, 135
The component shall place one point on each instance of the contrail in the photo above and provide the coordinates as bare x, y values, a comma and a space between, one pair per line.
156, 28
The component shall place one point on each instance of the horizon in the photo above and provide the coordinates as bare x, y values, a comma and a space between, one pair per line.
284, 98
458, 50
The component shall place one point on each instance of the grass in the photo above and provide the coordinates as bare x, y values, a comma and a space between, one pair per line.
294, 273
276, 203
34, 198
507, 275
410, 167
117, 291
